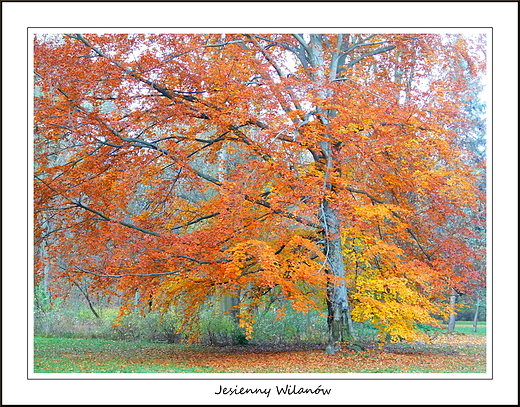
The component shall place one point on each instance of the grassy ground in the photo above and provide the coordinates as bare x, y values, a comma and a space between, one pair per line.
466, 327
447, 353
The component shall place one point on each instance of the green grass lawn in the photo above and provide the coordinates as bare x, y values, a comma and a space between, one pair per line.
69, 355
466, 327
447, 353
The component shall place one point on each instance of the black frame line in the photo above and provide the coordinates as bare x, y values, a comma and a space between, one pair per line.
488, 181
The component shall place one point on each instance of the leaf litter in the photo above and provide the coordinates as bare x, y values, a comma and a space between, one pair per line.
445, 354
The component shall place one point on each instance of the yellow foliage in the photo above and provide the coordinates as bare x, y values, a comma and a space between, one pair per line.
394, 297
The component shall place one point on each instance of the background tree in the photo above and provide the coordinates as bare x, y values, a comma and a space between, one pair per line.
317, 169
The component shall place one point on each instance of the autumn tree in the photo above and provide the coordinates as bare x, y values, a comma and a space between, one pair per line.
323, 170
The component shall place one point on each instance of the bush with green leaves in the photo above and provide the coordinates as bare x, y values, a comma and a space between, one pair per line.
293, 327
76, 320
220, 329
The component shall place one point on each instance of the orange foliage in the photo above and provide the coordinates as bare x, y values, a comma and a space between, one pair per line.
185, 167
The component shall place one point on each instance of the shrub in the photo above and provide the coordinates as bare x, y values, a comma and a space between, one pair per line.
293, 327
63, 321
220, 329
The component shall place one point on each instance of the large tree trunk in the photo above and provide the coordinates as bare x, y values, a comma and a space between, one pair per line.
453, 315
339, 319
229, 305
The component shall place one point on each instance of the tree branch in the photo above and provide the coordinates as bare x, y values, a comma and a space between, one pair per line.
409, 230
366, 90
132, 275
103, 216
374, 52
209, 178
222, 44
144, 144
414, 237
372, 197
305, 46
197, 220
128, 225
282, 212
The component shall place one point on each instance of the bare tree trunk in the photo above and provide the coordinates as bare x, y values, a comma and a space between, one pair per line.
475, 318
339, 319
453, 315
229, 304
47, 268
